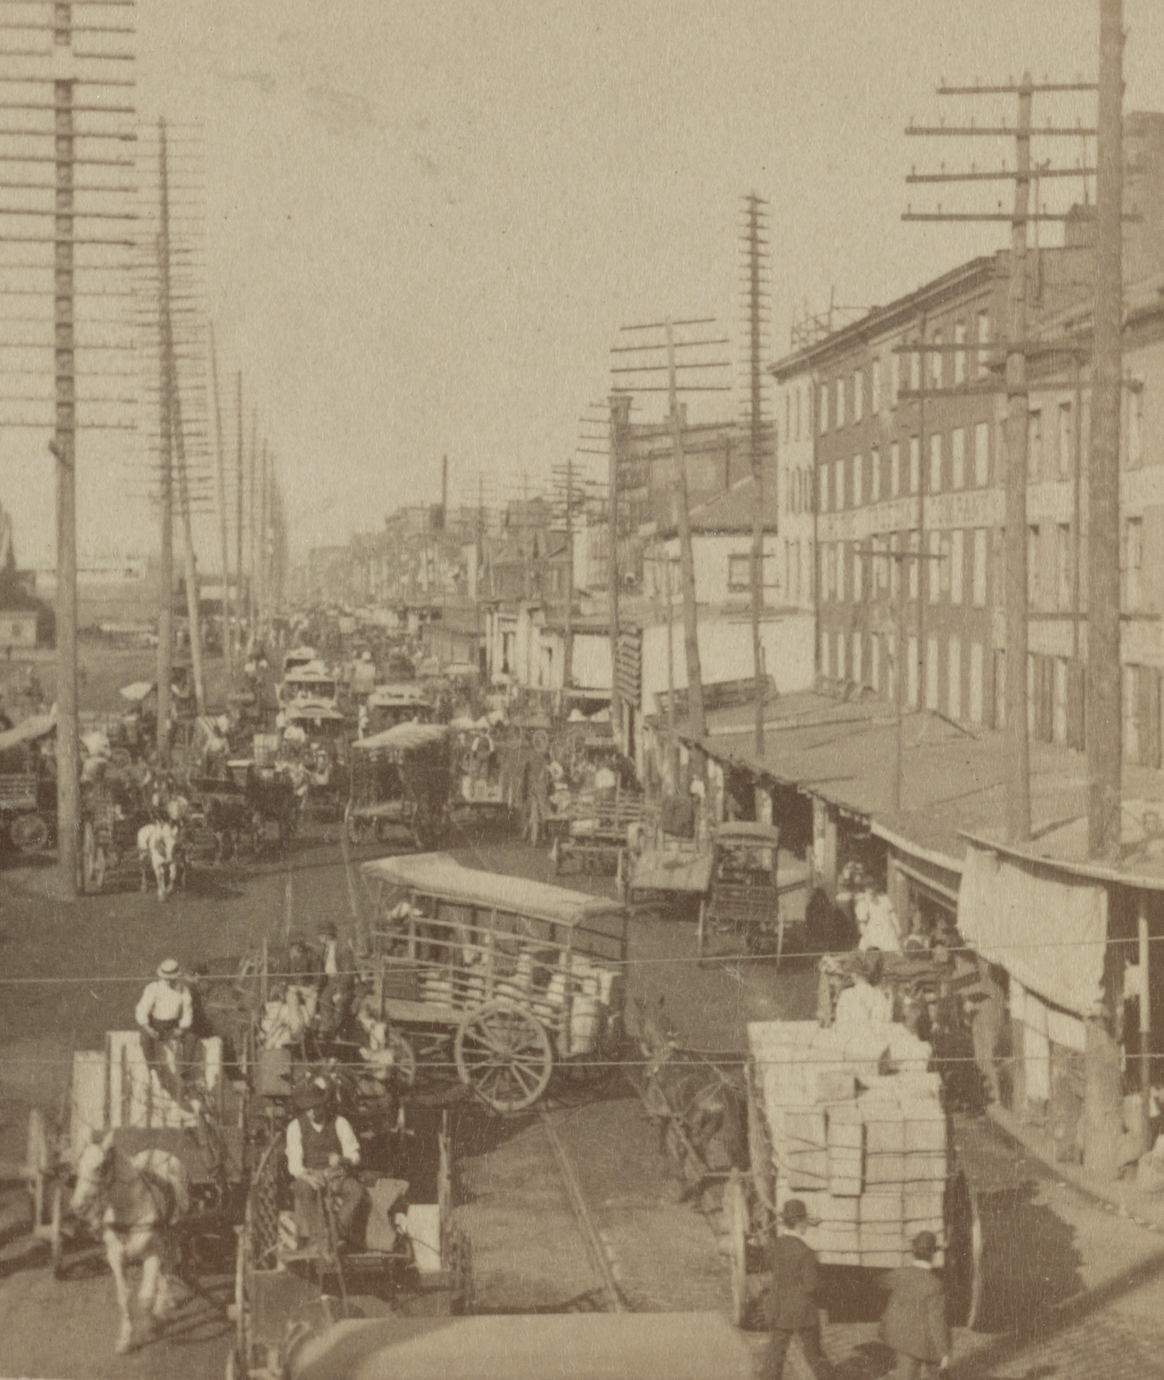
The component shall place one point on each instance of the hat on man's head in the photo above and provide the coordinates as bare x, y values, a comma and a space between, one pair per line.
310, 1097
794, 1212
169, 968
925, 1245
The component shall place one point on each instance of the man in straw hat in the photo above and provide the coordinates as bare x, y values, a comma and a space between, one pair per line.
915, 1324
792, 1310
164, 1015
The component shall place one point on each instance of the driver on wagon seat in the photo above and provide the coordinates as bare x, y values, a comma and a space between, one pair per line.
322, 1153
166, 1012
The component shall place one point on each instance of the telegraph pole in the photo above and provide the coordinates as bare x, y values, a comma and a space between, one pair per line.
1016, 346
695, 714
619, 416
239, 602
1018, 795
1104, 729
166, 458
252, 530
224, 541
755, 257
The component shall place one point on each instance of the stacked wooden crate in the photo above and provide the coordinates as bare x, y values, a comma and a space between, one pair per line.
858, 1134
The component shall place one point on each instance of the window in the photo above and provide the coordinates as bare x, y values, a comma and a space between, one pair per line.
978, 569
858, 573
1034, 571
787, 415
957, 557
875, 385
932, 673
982, 454
1131, 562
831, 570
1065, 439
876, 477
894, 565
935, 356
958, 458
858, 395
839, 666
842, 570
1001, 455
824, 408
858, 480
824, 488
856, 668
914, 463
935, 567
983, 338
915, 371
935, 463
976, 686
896, 377
1063, 567
839, 419
838, 485
954, 676
911, 668
798, 412
895, 467
1136, 427
739, 572
960, 354
913, 562
1034, 445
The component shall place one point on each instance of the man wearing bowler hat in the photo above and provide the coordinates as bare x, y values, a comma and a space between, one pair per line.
792, 1308
915, 1324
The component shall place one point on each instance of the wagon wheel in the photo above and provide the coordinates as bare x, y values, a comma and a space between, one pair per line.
556, 855
403, 1058
701, 931
37, 1163
504, 1054
460, 1268
56, 1235
93, 860
963, 1270
29, 833
354, 826
735, 1211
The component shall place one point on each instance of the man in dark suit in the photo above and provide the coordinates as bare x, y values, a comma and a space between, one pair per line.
915, 1324
792, 1308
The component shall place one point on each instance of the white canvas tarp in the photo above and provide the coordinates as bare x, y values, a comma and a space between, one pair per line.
1049, 932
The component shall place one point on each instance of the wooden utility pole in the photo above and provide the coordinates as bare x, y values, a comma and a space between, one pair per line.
695, 715
568, 635
252, 531
172, 404
64, 449
1103, 703
1018, 795
224, 539
755, 258
239, 601
166, 464
619, 415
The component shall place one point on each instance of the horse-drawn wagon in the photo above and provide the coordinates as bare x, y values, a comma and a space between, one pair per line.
136, 1162
400, 780
853, 1124
28, 793
512, 977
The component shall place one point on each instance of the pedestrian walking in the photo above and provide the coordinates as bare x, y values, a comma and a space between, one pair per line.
792, 1310
915, 1324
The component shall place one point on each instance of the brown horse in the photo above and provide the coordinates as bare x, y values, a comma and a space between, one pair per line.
693, 1099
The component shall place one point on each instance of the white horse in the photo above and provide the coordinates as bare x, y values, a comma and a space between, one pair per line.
133, 1201
157, 849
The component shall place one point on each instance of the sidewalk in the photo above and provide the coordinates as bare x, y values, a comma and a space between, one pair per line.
1120, 1195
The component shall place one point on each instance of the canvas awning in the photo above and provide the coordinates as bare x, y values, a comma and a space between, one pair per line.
1046, 928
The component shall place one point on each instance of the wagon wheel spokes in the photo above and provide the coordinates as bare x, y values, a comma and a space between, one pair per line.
504, 1054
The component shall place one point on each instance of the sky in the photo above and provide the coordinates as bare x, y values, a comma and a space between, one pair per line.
426, 223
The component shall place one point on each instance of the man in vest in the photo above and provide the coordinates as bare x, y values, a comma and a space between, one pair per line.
322, 1150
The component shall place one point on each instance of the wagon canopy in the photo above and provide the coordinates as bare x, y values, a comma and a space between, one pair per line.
743, 831
406, 737
438, 874
27, 731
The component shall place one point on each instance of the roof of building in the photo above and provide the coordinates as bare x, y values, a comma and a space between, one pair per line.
953, 782
731, 511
